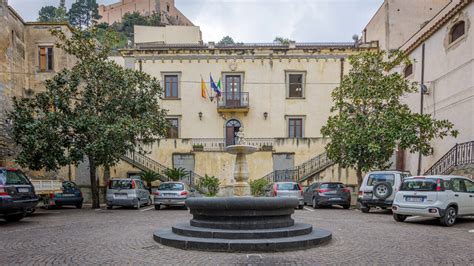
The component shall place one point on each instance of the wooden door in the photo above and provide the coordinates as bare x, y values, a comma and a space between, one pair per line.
233, 89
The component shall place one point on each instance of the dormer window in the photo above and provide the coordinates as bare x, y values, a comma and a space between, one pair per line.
457, 31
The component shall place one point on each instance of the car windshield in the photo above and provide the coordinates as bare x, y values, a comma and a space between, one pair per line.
67, 185
287, 186
428, 184
374, 179
332, 185
171, 186
120, 184
8, 177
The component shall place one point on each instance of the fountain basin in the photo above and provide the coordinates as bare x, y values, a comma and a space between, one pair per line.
242, 224
241, 149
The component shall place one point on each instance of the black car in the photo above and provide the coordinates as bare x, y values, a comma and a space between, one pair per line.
327, 194
17, 195
71, 195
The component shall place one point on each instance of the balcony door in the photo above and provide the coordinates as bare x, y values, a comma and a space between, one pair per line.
233, 86
232, 126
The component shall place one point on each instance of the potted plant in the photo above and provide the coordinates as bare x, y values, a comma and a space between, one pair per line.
198, 147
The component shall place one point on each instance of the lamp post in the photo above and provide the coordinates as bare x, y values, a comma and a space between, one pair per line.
422, 92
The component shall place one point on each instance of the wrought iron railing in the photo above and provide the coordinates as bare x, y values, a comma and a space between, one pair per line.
219, 144
301, 172
460, 154
145, 163
233, 100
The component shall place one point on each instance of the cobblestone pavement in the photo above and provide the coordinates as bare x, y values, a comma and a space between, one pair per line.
124, 236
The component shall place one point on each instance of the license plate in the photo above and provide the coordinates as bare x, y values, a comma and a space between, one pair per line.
120, 196
335, 199
68, 195
414, 199
23, 190
368, 195
170, 195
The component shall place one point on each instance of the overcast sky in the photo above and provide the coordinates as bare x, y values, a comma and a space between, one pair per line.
259, 20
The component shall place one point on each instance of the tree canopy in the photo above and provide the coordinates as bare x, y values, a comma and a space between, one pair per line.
227, 40
370, 121
52, 14
83, 13
282, 40
96, 111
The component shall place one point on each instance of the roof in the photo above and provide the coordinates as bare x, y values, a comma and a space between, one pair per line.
304, 45
37, 22
438, 176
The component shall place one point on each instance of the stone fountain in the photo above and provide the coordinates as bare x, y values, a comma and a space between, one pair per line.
242, 223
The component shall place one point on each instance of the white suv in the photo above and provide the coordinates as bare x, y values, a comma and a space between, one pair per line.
446, 197
378, 189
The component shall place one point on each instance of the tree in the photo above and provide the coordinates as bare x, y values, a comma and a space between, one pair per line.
83, 13
210, 184
284, 41
96, 111
154, 19
227, 40
370, 120
52, 14
148, 177
175, 174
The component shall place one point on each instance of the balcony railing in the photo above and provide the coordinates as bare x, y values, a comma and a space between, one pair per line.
219, 144
233, 100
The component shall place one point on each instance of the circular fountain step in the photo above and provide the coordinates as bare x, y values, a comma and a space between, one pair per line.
316, 237
298, 229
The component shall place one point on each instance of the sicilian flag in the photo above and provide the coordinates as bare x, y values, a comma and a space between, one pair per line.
203, 88
215, 88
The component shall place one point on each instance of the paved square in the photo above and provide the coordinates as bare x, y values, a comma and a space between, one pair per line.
124, 236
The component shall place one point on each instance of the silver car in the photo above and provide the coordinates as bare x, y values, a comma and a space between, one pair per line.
287, 189
172, 194
129, 192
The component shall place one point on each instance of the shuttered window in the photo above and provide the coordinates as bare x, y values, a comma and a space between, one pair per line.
45, 58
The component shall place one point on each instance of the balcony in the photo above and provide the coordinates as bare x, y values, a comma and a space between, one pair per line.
233, 102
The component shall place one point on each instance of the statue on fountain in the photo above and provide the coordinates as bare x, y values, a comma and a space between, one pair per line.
240, 136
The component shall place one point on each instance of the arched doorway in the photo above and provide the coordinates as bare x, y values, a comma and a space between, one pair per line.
231, 127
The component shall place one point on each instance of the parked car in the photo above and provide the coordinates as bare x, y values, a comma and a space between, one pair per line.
17, 195
172, 194
70, 195
378, 189
327, 194
444, 197
128, 192
287, 189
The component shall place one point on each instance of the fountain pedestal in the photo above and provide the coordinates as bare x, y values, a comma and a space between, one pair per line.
241, 168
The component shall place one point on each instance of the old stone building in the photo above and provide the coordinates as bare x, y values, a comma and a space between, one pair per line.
27, 58
279, 94
170, 15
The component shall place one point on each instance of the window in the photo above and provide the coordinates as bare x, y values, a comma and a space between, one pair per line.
428, 184
287, 186
45, 58
171, 86
173, 128
469, 186
379, 178
457, 31
458, 185
295, 85
295, 128
168, 8
171, 186
408, 70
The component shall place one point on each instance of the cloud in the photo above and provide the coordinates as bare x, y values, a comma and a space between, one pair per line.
259, 20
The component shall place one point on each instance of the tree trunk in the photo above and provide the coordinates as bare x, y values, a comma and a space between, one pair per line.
94, 184
359, 177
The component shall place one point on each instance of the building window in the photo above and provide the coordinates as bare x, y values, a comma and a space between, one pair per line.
171, 86
408, 70
295, 85
173, 128
168, 8
45, 55
295, 127
457, 31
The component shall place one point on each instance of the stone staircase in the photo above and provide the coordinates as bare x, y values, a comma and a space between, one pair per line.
459, 157
301, 172
145, 163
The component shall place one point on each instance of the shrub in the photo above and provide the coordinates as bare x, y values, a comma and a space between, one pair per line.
258, 186
210, 184
175, 174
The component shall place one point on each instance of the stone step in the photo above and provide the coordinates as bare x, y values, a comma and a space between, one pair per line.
186, 229
316, 237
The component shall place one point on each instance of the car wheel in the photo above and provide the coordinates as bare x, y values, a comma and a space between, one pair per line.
315, 204
184, 207
382, 190
138, 204
109, 207
364, 208
300, 207
14, 218
79, 205
449, 217
347, 206
399, 217
157, 207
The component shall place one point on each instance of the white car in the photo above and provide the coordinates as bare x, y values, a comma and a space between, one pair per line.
445, 197
378, 189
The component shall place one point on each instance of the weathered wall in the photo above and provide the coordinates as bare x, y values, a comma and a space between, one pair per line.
168, 34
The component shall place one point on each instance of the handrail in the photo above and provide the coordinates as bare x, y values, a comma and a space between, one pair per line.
460, 154
301, 172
